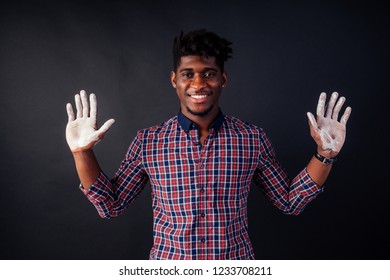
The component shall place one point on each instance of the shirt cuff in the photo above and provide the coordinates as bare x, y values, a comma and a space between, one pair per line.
100, 190
309, 187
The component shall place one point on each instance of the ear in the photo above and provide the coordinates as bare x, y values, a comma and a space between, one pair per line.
173, 79
224, 79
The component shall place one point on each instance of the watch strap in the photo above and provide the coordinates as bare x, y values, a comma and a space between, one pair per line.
325, 160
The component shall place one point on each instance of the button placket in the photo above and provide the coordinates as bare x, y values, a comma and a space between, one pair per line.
202, 221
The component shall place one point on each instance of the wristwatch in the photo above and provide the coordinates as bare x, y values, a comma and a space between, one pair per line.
325, 160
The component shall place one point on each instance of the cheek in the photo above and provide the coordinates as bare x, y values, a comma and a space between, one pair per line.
180, 91
181, 88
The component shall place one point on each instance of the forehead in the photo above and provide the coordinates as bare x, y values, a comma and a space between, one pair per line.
195, 62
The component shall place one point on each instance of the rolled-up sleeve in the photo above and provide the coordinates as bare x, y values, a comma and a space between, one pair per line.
112, 196
290, 196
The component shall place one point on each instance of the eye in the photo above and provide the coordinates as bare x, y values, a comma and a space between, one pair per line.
209, 74
187, 75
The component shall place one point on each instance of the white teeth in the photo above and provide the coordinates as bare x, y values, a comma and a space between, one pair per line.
199, 96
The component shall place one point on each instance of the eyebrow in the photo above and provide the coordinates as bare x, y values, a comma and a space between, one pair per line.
204, 70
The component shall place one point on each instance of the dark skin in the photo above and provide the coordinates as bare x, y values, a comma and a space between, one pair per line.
200, 76
199, 81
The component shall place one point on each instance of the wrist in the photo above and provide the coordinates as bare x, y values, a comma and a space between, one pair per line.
325, 159
79, 152
328, 153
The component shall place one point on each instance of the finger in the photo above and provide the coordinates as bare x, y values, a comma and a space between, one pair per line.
106, 126
69, 110
337, 108
79, 107
93, 104
321, 104
346, 115
84, 102
312, 120
331, 103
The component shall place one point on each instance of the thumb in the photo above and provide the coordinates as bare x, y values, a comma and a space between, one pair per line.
106, 126
312, 121
313, 127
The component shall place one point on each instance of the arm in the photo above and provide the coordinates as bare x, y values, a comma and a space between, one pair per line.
328, 133
109, 196
112, 196
82, 135
292, 196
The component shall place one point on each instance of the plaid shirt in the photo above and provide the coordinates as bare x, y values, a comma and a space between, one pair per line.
200, 192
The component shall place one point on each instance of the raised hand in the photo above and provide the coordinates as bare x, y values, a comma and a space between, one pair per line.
82, 133
326, 130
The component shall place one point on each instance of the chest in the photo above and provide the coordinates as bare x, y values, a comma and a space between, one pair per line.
182, 161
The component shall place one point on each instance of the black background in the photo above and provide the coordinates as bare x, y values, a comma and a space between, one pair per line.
285, 54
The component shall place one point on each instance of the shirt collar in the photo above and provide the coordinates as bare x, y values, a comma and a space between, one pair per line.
187, 124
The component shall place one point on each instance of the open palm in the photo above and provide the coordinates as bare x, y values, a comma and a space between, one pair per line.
81, 131
326, 130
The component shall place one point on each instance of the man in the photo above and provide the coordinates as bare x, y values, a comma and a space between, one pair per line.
200, 163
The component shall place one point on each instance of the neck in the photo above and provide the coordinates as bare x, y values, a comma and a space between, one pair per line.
203, 122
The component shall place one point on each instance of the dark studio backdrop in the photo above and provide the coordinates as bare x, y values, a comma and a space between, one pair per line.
285, 54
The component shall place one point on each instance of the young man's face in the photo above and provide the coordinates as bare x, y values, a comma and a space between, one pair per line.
198, 81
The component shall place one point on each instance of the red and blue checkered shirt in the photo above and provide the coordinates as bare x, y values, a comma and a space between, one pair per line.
200, 192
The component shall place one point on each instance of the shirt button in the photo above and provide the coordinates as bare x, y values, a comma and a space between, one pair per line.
202, 166
202, 215
202, 190
203, 240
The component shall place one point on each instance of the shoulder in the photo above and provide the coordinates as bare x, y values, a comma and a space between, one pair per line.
249, 132
235, 124
159, 130
147, 137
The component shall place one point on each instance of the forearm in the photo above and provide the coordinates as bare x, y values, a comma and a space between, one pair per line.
111, 196
87, 167
318, 171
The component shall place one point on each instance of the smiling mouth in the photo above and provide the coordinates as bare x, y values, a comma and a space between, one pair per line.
199, 96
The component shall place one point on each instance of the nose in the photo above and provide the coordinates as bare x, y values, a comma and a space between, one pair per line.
198, 82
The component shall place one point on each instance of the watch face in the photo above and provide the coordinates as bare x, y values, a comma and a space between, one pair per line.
329, 160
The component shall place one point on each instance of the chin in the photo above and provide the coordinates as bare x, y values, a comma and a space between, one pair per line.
199, 113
